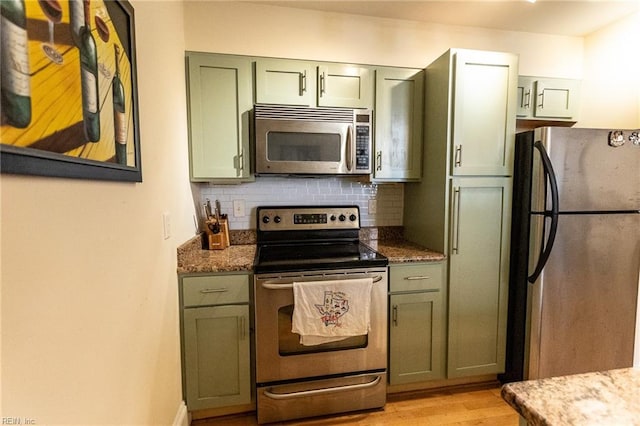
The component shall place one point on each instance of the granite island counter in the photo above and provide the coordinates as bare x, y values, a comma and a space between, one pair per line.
607, 398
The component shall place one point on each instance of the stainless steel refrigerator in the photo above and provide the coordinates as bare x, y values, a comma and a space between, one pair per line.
575, 252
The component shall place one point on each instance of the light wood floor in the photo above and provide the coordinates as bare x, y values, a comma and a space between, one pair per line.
478, 406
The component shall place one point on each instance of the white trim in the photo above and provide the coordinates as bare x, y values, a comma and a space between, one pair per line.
182, 416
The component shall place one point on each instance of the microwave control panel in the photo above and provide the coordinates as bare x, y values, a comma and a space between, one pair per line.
363, 140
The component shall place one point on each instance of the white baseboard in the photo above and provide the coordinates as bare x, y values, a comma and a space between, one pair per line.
182, 416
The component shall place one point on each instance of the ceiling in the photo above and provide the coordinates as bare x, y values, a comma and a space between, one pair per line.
570, 18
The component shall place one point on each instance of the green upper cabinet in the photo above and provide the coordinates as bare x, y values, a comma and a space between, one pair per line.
293, 82
285, 82
553, 99
219, 89
399, 108
484, 110
342, 85
478, 275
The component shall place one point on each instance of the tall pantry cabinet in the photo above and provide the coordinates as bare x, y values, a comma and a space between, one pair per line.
462, 206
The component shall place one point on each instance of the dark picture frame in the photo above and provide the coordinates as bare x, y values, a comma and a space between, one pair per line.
63, 132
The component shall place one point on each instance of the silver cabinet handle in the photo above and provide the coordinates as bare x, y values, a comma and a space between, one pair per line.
214, 290
323, 88
527, 99
242, 331
379, 160
314, 392
417, 277
541, 96
303, 82
458, 156
456, 219
394, 315
241, 161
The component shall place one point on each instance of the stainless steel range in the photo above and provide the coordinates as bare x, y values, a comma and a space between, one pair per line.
304, 254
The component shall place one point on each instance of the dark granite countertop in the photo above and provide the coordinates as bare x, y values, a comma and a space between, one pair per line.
192, 258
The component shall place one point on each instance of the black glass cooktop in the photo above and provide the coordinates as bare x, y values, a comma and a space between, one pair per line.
316, 255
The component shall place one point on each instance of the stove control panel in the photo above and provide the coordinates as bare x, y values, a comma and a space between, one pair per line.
303, 218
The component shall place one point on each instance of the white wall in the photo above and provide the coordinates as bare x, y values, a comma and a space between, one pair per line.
611, 83
89, 288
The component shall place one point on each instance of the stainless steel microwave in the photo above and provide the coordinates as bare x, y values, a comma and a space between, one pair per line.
316, 141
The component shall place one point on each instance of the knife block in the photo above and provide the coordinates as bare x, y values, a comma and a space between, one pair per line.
218, 240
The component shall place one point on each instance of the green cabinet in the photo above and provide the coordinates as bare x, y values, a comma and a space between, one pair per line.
219, 89
478, 275
287, 82
215, 336
549, 99
293, 82
399, 109
417, 328
462, 206
484, 109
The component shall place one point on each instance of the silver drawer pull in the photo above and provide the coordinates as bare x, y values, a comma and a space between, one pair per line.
214, 290
283, 286
418, 277
322, 391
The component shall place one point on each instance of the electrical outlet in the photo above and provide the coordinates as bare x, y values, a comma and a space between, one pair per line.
166, 225
373, 206
238, 208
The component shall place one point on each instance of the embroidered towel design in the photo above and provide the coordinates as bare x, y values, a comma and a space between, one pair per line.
329, 311
335, 305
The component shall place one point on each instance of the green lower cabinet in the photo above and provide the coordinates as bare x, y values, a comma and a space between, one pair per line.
216, 341
478, 276
217, 356
417, 321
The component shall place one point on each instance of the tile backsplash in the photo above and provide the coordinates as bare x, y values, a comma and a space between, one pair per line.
380, 205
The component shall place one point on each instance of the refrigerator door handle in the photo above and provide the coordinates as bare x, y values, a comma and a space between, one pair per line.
553, 213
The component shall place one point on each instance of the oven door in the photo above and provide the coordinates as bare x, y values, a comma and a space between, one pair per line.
280, 356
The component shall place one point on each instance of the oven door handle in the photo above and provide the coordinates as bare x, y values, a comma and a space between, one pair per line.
271, 285
316, 392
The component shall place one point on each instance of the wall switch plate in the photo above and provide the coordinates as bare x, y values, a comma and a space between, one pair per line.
238, 208
166, 225
373, 206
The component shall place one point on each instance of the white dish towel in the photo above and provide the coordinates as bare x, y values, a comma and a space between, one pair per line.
329, 311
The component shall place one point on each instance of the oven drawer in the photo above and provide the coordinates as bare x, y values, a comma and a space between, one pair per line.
321, 397
416, 277
215, 290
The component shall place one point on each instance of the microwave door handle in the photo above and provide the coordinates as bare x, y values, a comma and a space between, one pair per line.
349, 148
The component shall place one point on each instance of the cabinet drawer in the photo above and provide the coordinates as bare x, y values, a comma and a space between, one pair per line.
416, 277
215, 290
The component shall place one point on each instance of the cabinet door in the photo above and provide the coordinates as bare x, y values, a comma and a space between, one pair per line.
525, 97
557, 98
484, 113
216, 356
285, 82
348, 86
399, 108
478, 275
416, 347
220, 99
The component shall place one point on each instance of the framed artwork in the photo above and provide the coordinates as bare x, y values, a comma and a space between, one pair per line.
69, 89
